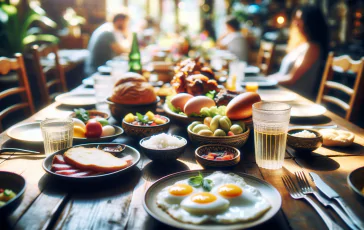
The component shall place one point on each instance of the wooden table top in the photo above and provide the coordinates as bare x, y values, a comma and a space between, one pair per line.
117, 204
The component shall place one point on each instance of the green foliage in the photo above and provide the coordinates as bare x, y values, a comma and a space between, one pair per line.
16, 30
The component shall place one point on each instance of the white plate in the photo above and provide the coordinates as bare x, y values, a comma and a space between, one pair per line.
88, 81
27, 132
307, 110
250, 69
77, 99
267, 190
261, 81
277, 96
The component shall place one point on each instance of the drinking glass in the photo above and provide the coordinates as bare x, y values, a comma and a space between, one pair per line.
271, 121
57, 134
237, 68
103, 86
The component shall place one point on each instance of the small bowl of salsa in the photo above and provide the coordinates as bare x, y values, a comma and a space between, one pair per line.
217, 156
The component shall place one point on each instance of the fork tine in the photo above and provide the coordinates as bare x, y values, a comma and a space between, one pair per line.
300, 182
284, 179
305, 178
289, 182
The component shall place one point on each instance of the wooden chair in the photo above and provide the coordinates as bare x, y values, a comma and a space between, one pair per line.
343, 64
7, 65
265, 54
44, 70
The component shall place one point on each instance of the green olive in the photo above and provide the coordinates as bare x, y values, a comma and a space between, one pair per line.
200, 127
193, 124
214, 124
219, 132
236, 129
205, 132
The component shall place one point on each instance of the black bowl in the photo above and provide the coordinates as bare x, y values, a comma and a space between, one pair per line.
118, 111
17, 184
356, 182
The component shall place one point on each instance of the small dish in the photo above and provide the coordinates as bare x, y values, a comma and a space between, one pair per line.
136, 131
304, 144
17, 184
112, 148
236, 141
84, 140
93, 114
163, 154
205, 149
356, 182
118, 111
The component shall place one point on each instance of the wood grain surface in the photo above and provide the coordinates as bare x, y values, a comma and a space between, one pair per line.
117, 203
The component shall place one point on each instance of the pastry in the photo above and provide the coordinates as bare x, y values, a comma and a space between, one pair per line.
332, 137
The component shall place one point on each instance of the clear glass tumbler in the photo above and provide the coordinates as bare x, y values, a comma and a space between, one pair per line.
57, 134
271, 121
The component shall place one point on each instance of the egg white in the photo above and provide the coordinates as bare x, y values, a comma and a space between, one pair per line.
248, 206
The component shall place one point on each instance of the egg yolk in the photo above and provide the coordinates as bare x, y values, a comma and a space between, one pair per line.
230, 190
180, 189
203, 198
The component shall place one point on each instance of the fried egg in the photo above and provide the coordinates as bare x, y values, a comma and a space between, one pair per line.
204, 203
231, 200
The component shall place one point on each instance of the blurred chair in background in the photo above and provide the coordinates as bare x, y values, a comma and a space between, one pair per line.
49, 71
342, 64
23, 90
264, 59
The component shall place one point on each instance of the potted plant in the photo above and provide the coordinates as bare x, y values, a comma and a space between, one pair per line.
20, 27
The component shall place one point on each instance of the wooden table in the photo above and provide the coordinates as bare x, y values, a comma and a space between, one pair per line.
117, 204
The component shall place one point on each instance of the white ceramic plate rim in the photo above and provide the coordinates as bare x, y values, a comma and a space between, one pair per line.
285, 96
60, 98
314, 110
166, 219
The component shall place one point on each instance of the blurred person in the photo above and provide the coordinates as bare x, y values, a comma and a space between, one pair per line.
233, 39
208, 30
107, 41
306, 52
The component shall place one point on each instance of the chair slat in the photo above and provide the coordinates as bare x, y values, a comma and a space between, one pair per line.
337, 102
339, 86
265, 54
12, 91
52, 83
13, 108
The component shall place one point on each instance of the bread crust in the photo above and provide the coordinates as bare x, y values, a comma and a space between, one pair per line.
340, 138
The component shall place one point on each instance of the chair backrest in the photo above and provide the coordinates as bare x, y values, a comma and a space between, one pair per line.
44, 70
342, 64
17, 64
265, 54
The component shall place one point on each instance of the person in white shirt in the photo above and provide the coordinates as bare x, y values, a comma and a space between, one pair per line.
233, 40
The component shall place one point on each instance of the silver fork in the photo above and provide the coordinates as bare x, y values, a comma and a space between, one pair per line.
307, 189
297, 194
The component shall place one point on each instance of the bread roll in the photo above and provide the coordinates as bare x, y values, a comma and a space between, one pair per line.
332, 137
241, 106
131, 93
130, 77
133, 89
195, 104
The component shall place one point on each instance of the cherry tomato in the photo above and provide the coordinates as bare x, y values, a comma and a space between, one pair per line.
230, 133
93, 129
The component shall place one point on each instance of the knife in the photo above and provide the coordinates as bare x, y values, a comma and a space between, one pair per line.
313, 127
329, 192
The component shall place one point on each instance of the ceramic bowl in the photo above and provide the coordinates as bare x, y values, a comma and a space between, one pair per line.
118, 111
236, 141
93, 114
356, 182
304, 144
163, 154
205, 149
136, 131
17, 184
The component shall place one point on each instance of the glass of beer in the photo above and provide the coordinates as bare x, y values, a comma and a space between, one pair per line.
57, 134
271, 121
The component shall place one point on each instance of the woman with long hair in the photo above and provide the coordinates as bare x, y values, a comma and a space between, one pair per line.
306, 52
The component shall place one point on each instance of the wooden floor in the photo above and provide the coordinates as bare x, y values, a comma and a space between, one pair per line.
117, 203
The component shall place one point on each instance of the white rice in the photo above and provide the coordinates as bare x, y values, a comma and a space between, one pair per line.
163, 141
304, 133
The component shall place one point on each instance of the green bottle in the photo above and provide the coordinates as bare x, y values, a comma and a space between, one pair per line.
134, 56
